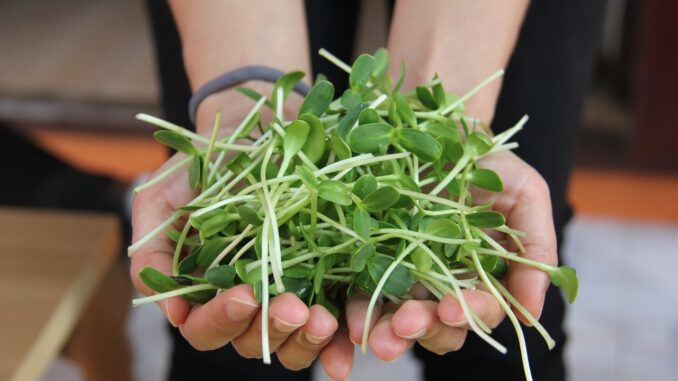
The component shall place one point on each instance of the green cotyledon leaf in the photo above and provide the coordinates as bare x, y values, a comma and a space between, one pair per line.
334, 191
314, 148
360, 71
370, 138
175, 141
318, 99
420, 143
381, 199
565, 278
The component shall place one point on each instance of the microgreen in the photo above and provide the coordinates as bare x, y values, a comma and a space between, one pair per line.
370, 191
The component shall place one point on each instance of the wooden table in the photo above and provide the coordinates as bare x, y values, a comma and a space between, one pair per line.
50, 265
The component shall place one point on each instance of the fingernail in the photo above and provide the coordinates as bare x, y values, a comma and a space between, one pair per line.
240, 309
416, 335
456, 324
283, 326
316, 339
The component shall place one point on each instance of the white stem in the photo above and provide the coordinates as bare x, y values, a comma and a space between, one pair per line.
473, 91
164, 174
173, 293
377, 293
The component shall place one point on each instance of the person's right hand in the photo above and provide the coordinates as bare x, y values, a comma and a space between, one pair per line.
298, 334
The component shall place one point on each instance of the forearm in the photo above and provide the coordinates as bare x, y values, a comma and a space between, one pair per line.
219, 36
464, 41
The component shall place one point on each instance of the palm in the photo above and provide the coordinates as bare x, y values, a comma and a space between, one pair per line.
441, 327
298, 334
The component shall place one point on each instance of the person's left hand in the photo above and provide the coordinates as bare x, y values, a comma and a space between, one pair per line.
441, 327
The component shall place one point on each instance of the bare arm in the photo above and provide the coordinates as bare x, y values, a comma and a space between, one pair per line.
464, 41
219, 36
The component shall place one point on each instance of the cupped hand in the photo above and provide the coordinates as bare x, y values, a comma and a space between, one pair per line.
298, 334
441, 327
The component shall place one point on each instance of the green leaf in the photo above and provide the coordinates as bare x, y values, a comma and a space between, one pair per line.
217, 223
360, 71
494, 265
440, 227
249, 215
189, 263
359, 259
209, 251
421, 144
362, 223
287, 82
298, 271
490, 219
364, 281
251, 123
370, 138
565, 277
401, 77
346, 123
157, 281
381, 199
195, 172
380, 63
253, 95
175, 141
350, 99
421, 260
298, 286
253, 277
439, 92
339, 147
485, 179
307, 177
318, 99
477, 144
445, 130
426, 98
393, 116
239, 163
221, 276
452, 151
404, 110
368, 116
399, 282
319, 274
314, 148
365, 185
334, 191
295, 137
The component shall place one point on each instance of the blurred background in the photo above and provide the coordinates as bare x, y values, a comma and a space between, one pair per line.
73, 76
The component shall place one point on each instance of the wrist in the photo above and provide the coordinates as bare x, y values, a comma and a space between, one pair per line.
235, 106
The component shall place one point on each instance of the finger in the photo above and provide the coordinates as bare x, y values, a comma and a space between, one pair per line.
418, 320
216, 323
356, 309
527, 206
532, 214
384, 343
337, 356
299, 351
451, 313
176, 309
287, 313
151, 207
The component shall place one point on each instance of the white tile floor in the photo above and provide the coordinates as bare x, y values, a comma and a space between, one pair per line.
624, 326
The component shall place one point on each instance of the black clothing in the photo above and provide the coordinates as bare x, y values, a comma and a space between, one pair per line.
547, 78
